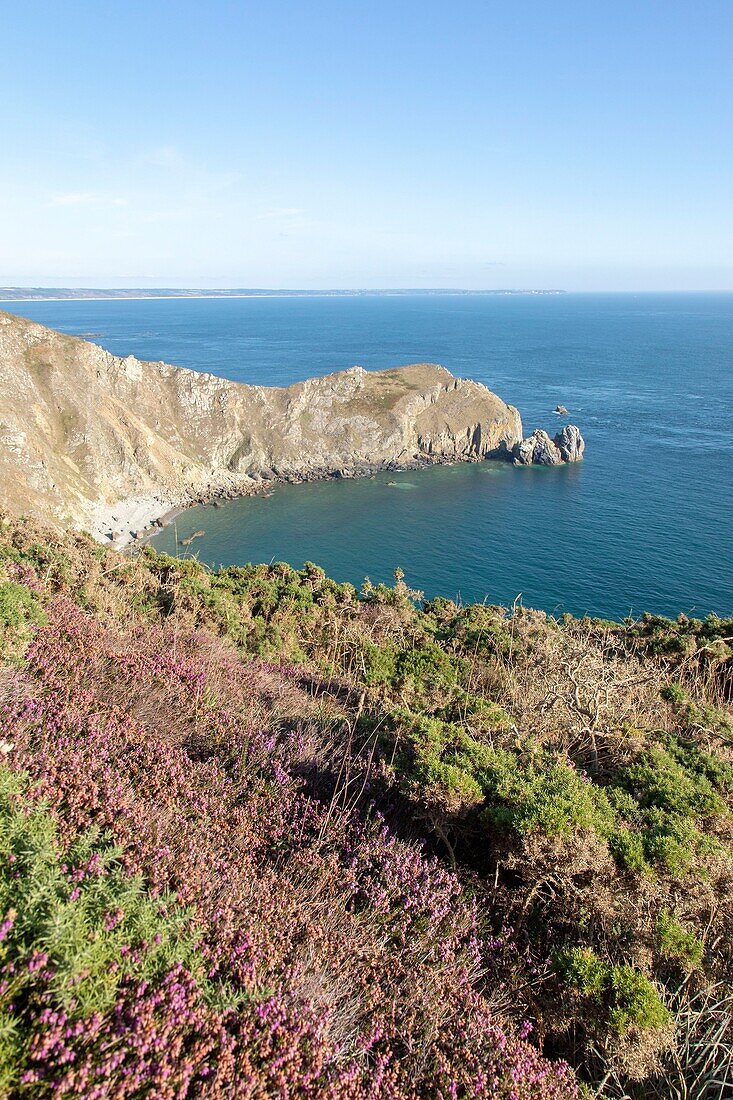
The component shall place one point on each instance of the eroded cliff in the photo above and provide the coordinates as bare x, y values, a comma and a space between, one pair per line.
81, 429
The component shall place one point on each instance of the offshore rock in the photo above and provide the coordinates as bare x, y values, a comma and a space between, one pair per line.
570, 443
82, 430
546, 452
539, 450
523, 452
567, 446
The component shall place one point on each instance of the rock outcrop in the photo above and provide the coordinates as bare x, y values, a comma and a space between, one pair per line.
567, 446
570, 443
81, 429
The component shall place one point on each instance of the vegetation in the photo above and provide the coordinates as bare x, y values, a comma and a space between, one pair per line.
264, 835
79, 936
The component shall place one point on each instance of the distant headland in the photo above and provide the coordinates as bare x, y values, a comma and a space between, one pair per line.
110, 444
60, 294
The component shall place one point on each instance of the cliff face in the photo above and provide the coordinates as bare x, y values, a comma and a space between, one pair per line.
80, 428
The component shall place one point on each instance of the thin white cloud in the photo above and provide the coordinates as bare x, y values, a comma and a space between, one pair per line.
282, 212
76, 198
86, 198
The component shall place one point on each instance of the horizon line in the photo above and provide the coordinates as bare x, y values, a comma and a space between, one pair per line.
39, 292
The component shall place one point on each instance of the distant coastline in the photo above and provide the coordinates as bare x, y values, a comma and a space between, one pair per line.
62, 294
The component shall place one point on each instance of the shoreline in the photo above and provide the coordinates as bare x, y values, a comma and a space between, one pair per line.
134, 520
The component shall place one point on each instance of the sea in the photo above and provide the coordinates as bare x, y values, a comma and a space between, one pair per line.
644, 523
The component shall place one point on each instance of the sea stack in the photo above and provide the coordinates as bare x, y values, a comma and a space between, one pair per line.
538, 449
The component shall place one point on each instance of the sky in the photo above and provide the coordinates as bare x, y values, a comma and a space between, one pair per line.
337, 144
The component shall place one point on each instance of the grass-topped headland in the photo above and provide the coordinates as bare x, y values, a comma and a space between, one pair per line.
262, 834
109, 444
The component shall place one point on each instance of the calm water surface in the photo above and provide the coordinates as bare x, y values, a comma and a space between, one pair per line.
646, 522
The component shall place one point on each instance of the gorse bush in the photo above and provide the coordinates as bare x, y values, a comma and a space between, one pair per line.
544, 795
522, 791
17, 606
622, 997
659, 781
19, 612
678, 943
94, 924
671, 795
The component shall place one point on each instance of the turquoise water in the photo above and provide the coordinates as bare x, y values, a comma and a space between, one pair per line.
645, 523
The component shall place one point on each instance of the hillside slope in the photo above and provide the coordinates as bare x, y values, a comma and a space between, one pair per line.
263, 835
80, 427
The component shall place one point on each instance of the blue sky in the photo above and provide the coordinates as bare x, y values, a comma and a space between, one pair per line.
345, 144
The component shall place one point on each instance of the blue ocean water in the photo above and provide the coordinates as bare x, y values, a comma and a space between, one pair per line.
645, 523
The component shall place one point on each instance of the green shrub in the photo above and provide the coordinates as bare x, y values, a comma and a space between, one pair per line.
627, 848
581, 969
543, 794
17, 606
659, 781
674, 693
676, 943
623, 803
528, 792
428, 668
475, 630
421, 671
19, 612
482, 715
379, 664
446, 785
96, 925
635, 1001
666, 796
699, 763
624, 997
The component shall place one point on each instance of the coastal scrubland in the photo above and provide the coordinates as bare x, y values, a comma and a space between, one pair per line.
264, 835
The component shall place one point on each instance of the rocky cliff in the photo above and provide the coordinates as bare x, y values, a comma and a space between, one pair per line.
82, 430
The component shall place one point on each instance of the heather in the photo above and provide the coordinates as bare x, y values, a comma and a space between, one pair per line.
85, 954
354, 843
